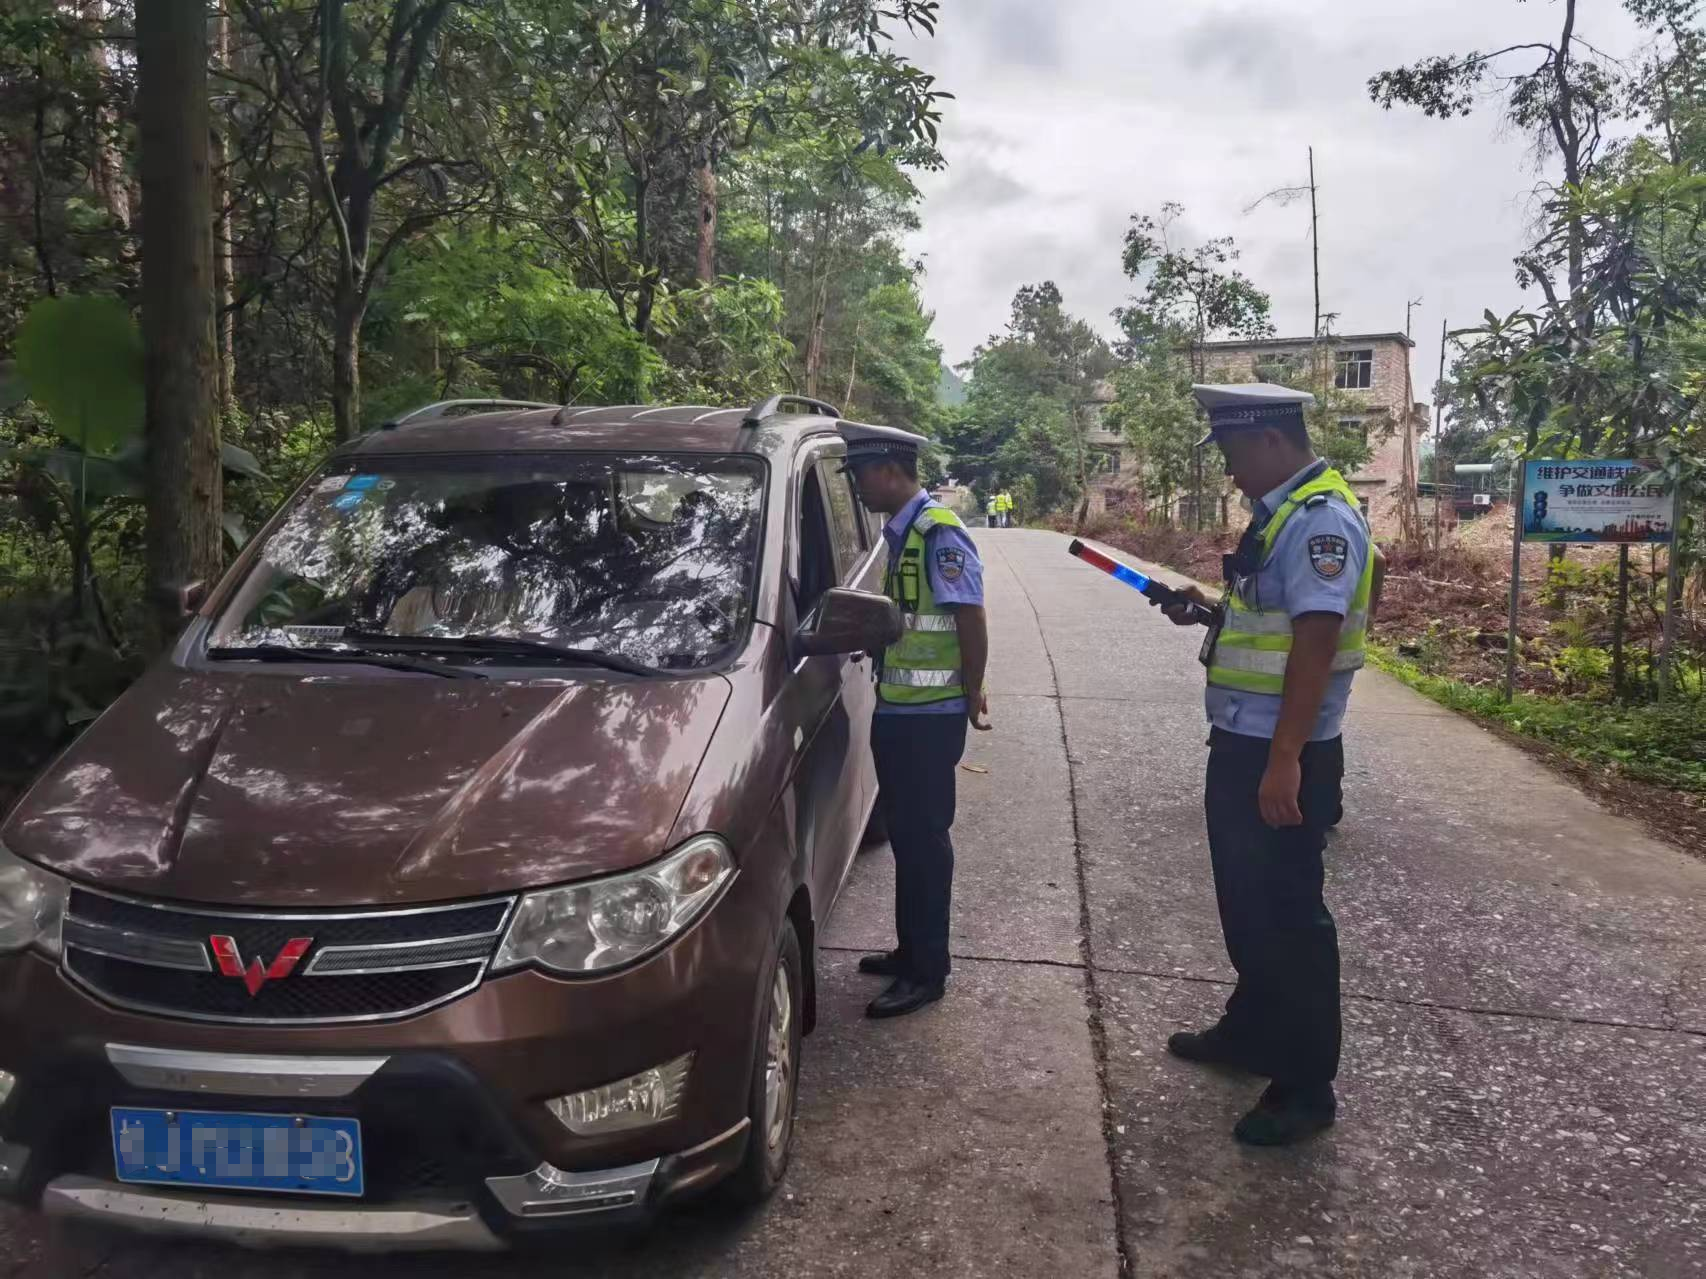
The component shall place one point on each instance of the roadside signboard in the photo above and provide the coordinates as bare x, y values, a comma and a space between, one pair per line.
1615, 502
1619, 502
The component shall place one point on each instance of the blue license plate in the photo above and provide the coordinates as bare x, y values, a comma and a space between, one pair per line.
297, 1154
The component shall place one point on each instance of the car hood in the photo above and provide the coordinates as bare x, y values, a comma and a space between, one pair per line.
262, 789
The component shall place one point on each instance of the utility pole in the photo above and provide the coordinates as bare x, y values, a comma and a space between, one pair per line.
1439, 415
1409, 514
1315, 241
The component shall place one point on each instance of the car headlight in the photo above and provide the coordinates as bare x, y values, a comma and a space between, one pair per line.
606, 923
32, 905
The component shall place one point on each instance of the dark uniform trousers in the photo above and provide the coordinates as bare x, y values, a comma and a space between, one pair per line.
1283, 1017
918, 757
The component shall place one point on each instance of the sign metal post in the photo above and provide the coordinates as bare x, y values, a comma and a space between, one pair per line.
1516, 578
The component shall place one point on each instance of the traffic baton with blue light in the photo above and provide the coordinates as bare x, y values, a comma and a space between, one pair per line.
1153, 591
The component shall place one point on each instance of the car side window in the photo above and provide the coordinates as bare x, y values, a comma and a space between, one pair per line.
817, 554
843, 517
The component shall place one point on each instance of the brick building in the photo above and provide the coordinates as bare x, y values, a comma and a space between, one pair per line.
1372, 369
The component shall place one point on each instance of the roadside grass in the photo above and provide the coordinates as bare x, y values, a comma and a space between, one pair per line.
1660, 745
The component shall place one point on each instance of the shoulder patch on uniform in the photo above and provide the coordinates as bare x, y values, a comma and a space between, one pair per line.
1327, 554
950, 563
1320, 499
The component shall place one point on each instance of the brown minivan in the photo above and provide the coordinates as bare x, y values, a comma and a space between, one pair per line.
459, 873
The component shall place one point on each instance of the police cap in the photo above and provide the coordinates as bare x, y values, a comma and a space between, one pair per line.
1250, 406
866, 444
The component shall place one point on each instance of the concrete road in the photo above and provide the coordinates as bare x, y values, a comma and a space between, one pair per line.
1524, 1086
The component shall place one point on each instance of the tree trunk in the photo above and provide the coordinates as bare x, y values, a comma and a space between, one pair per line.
183, 499
820, 305
852, 371
1079, 427
346, 358
1620, 625
705, 179
814, 344
107, 168
223, 286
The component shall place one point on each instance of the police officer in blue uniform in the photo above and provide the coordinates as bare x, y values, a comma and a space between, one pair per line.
1301, 590
930, 686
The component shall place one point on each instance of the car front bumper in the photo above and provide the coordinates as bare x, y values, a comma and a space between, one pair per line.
461, 1205
451, 1102
546, 1199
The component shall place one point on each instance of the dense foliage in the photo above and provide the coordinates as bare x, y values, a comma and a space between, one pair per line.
414, 200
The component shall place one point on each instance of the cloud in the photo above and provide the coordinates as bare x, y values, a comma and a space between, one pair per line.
974, 184
1071, 115
1256, 57
1023, 33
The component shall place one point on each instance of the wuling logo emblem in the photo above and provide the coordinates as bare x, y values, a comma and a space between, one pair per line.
254, 976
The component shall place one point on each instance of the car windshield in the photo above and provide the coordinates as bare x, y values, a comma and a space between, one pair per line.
649, 559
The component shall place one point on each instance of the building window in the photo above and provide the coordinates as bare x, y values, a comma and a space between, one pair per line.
1355, 428
1282, 370
1356, 370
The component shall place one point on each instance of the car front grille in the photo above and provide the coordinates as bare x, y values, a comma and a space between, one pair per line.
297, 968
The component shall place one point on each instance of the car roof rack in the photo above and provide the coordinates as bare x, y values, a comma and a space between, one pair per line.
774, 404
443, 408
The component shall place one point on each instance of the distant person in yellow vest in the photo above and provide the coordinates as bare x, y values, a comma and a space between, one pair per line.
1006, 502
930, 688
1294, 621
994, 511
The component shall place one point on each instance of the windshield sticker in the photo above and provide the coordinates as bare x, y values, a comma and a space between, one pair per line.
349, 501
331, 484
361, 483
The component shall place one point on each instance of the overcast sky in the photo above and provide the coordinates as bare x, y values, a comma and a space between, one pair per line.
1071, 115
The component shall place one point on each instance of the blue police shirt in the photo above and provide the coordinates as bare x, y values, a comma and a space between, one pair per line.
1288, 581
956, 577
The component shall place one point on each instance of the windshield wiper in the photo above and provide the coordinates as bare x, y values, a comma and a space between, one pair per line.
336, 657
497, 646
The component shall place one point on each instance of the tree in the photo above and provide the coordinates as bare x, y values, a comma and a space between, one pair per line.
352, 102
182, 430
1024, 421
1186, 297
1154, 408
1197, 293
1562, 103
646, 111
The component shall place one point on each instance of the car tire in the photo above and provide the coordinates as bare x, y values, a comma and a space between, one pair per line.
770, 1139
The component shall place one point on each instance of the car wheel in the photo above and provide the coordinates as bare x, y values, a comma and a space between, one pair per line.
775, 1092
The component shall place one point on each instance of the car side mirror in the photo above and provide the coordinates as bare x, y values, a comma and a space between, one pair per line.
183, 600
850, 622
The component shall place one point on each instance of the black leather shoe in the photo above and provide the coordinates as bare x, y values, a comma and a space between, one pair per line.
1210, 1047
885, 965
1284, 1117
905, 996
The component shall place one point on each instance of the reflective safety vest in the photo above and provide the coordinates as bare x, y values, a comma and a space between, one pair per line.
1251, 649
923, 665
